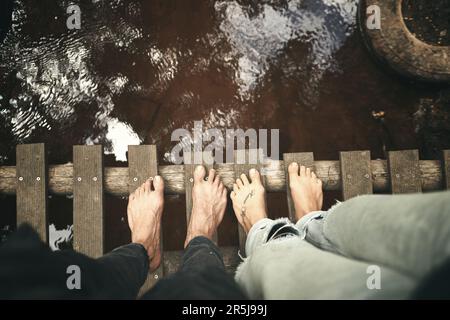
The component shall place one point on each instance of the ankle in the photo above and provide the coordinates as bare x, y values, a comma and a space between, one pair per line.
191, 234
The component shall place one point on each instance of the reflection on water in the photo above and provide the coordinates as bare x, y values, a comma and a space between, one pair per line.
137, 70
259, 39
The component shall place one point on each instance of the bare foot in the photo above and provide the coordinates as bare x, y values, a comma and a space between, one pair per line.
145, 207
249, 201
306, 190
209, 200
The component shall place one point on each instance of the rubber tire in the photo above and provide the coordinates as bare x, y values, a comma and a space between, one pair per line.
398, 48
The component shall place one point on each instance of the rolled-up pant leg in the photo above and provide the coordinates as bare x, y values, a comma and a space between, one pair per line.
408, 233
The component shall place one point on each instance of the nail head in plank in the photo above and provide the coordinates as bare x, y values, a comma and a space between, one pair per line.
143, 165
88, 218
32, 187
404, 171
244, 160
446, 164
303, 159
189, 167
356, 173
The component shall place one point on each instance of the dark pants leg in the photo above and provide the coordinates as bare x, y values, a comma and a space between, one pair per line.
202, 275
30, 270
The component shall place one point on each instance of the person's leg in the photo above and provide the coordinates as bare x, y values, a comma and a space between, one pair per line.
128, 266
409, 233
292, 268
249, 204
202, 274
144, 212
280, 265
29, 269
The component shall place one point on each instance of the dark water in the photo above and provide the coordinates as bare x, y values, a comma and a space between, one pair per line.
137, 70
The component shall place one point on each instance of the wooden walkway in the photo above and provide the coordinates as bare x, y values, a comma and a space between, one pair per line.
88, 180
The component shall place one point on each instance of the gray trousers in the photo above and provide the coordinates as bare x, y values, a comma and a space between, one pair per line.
370, 247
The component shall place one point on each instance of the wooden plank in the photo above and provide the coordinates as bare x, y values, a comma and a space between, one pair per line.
356, 173
446, 163
243, 167
303, 159
143, 165
60, 177
404, 171
189, 167
88, 218
32, 187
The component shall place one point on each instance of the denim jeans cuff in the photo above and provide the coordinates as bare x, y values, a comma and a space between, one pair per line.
260, 231
201, 240
303, 221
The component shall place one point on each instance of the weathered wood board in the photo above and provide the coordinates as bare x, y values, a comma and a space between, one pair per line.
356, 173
404, 171
31, 191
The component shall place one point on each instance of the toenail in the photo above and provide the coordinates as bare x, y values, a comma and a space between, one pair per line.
157, 178
151, 178
295, 164
252, 171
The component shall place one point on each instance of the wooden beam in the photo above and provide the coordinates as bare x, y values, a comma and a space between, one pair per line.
244, 160
404, 171
60, 177
446, 171
88, 218
32, 187
143, 165
303, 159
189, 167
356, 173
